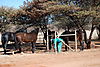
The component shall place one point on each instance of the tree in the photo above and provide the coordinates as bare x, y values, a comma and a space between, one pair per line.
6, 17
82, 18
37, 12
89, 13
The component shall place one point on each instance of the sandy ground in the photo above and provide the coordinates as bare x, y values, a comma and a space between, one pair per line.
86, 58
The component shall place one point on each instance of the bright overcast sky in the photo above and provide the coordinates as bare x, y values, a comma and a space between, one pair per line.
12, 3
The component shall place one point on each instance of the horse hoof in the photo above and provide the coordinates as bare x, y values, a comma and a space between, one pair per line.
4, 54
22, 53
32, 51
13, 53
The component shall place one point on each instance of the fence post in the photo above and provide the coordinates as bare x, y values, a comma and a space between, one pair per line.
47, 40
75, 40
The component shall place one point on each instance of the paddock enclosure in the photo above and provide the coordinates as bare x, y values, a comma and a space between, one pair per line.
86, 58
41, 46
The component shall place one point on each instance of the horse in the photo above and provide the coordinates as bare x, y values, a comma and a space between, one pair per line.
5, 38
79, 38
9, 36
23, 37
72, 38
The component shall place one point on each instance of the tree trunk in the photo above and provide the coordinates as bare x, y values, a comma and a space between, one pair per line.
85, 39
92, 29
85, 36
88, 41
98, 32
90, 37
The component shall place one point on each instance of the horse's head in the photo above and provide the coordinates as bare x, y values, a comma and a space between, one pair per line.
35, 31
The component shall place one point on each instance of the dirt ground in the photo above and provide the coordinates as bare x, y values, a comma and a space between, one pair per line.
86, 58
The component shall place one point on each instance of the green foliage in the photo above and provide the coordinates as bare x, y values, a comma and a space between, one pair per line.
58, 9
86, 13
35, 11
6, 15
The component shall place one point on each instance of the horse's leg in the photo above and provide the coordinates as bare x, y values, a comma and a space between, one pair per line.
82, 45
20, 50
15, 46
33, 47
4, 44
19, 47
50, 46
66, 41
66, 48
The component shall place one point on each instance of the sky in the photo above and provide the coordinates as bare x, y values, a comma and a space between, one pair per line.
12, 3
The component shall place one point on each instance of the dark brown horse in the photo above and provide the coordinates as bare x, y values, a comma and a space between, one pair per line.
72, 38
27, 38
79, 38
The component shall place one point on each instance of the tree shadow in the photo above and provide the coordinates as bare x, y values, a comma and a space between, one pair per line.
25, 48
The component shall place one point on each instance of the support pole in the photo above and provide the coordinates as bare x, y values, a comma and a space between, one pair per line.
47, 41
55, 43
75, 40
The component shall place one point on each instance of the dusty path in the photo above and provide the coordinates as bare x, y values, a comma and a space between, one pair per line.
87, 58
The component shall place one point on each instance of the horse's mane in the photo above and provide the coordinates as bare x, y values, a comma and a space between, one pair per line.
7, 33
21, 30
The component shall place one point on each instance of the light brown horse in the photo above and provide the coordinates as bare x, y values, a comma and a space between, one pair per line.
27, 38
